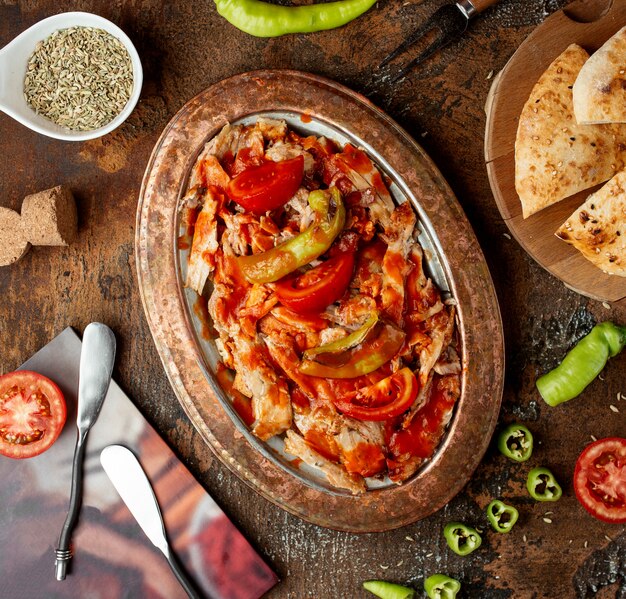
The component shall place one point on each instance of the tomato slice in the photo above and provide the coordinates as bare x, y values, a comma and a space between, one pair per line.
268, 186
600, 479
318, 287
32, 414
383, 400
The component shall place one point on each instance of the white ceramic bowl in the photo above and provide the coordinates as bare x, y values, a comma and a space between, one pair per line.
14, 60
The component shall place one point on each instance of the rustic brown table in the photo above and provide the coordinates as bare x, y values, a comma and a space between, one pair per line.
556, 550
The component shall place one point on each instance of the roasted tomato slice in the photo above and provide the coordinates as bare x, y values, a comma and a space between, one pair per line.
318, 287
268, 186
32, 414
383, 400
600, 479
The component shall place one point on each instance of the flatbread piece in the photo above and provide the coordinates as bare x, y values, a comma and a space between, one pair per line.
598, 228
600, 89
554, 156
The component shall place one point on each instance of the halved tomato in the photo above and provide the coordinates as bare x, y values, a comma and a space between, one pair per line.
318, 287
383, 400
600, 479
268, 186
32, 414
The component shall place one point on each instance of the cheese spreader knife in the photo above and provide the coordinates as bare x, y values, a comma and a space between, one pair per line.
131, 482
96, 365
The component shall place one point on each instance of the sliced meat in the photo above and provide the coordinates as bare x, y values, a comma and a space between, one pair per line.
336, 474
256, 378
396, 266
204, 245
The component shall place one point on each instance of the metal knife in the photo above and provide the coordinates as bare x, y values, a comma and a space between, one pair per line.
96, 366
131, 482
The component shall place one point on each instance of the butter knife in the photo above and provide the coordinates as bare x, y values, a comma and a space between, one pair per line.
131, 482
96, 366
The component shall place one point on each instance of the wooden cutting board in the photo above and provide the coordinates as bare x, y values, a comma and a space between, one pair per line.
588, 23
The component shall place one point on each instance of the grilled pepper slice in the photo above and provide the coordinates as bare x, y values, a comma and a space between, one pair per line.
461, 538
502, 516
516, 442
298, 251
582, 364
388, 590
440, 586
344, 343
542, 485
381, 344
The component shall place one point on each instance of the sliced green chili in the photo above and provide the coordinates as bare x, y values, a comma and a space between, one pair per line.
461, 538
344, 343
440, 586
542, 485
290, 255
516, 442
582, 364
263, 19
502, 516
388, 590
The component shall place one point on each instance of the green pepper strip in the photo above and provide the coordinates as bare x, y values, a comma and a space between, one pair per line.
262, 19
582, 364
381, 344
344, 343
461, 539
440, 586
542, 485
516, 442
298, 251
502, 516
388, 590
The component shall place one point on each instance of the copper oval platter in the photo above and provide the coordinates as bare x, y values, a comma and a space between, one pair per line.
317, 106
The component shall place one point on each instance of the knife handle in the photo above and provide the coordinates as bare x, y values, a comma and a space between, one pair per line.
181, 576
63, 554
481, 5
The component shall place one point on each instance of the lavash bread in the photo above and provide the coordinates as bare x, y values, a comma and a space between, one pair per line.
600, 89
554, 156
598, 228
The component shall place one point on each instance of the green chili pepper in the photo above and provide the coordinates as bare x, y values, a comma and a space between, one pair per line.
440, 586
461, 539
542, 485
516, 442
381, 344
582, 364
502, 516
270, 20
388, 590
346, 342
290, 255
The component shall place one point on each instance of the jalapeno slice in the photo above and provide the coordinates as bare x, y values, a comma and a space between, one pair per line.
440, 586
516, 442
542, 485
461, 538
502, 516
388, 590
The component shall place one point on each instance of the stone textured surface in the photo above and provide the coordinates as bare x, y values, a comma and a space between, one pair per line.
185, 46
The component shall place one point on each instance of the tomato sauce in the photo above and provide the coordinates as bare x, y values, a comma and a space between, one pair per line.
365, 459
201, 310
241, 403
305, 118
423, 434
323, 444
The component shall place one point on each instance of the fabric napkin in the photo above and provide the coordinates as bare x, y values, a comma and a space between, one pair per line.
112, 557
